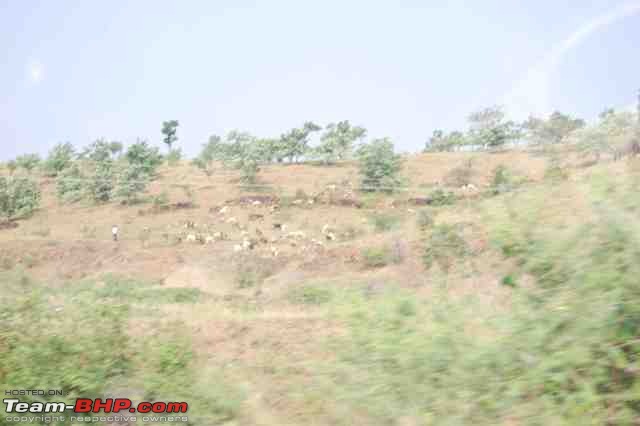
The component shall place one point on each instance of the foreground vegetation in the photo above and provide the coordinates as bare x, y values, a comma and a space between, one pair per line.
82, 345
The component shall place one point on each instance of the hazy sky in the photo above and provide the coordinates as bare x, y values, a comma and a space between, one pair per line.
79, 70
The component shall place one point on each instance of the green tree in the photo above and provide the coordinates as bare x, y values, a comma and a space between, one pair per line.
70, 185
489, 128
101, 183
295, 143
441, 142
338, 141
268, 149
19, 197
243, 153
140, 153
60, 157
28, 162
169, 130
553, 130
132, 183
116, 148
211, 152
379, 165
612, 133
98, 151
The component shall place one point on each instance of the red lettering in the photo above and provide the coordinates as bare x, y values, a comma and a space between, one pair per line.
83, 405
121, 404
99, 405
144, 407
159, 407
177, 407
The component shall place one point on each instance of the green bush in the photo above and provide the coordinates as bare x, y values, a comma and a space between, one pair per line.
439, 197
509, 281
310, 295
379, 166
58, 346
28, 162
19, 197
70, 185
100, 185
383, 222
144, 156
444, 245
132, 183
376, 257
60, 157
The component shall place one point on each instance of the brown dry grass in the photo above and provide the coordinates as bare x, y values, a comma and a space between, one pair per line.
268, 341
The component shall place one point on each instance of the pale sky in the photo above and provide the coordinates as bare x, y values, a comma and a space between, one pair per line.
79, 70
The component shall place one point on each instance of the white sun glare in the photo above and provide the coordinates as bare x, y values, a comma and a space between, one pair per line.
35, 72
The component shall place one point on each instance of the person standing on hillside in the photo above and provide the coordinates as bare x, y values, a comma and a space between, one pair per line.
114, 231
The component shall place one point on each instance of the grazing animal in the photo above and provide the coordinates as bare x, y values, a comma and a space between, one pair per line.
191, 238
277, 226
255, 216
296, 234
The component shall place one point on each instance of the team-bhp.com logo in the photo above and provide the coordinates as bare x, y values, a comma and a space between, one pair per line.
16, 409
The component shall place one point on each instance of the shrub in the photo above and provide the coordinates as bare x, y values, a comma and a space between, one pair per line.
310, 295
174, 156
211, 151
19, 197
439, 197
60, 157
101, 184
132, 183
252, 270
28, 162
379, 166
160, 200
100, 151
146, 157
461, 175
377, 257
509, 281
425, 219
70, 185
383, 222
555, 171
443, 246
503, 180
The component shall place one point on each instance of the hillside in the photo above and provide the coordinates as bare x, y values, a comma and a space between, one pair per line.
406, 314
